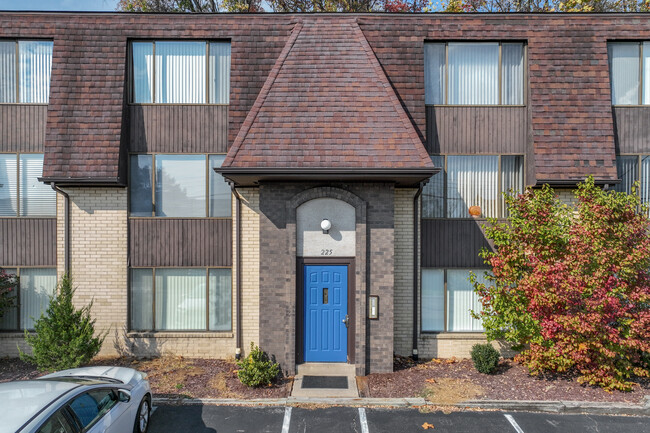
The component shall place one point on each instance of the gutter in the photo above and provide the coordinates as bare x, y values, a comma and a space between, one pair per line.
416, 243
66, 224
238, 309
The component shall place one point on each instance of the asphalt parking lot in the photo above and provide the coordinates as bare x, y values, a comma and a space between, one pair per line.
226, 419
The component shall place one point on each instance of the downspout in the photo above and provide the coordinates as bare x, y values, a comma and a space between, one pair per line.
416, 242
238, 332
66, 229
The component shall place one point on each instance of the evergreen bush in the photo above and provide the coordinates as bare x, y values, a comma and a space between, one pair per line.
8, 285
64, 337
257, 369
485, 357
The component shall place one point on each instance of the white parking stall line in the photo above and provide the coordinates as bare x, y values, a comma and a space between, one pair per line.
364, 420
287, 420
512, 422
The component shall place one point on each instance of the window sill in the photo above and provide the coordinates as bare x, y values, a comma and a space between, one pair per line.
25, 103
464, 335
13, 334
178, 104
476, 106
179, 334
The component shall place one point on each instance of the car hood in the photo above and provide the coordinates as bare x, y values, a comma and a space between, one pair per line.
123, 374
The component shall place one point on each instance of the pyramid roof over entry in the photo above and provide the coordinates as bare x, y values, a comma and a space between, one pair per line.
327, 109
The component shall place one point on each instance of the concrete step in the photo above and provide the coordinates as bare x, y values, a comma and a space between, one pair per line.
325, 369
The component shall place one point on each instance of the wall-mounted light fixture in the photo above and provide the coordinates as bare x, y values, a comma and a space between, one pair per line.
325, 225
373, 307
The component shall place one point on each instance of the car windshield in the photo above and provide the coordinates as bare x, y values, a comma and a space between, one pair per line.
21, 401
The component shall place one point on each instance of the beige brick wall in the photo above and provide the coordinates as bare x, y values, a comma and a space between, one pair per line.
403, 297
98, 255
566, 196
250, 266
454, 345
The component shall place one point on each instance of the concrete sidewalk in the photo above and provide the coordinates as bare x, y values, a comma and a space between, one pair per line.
560, 407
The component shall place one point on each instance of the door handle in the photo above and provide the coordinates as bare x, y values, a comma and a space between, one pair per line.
346, 321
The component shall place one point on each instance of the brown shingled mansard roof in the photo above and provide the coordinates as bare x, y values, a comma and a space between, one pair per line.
327, 110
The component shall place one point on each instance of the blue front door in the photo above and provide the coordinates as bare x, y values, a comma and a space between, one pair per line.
326, 309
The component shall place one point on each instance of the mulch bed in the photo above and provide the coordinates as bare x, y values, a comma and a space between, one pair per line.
172, 377
510, 382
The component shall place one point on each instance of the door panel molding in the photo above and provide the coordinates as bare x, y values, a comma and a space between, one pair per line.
300, 310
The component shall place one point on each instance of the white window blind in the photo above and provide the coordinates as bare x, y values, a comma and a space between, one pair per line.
433, 300
433, 193
8, 184
472, 181
36, 198
7, 72
624, 72
473, 73
627, 167
180, 72
461, 299
35, 71
220, 302
180, 299
512, 74
219, 70
646, 73
141, 299
36, 287
434, 75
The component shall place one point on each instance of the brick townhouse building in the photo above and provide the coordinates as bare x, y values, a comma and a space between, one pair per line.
352, 145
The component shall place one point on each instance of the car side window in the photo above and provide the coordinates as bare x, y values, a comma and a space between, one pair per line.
57, 423
92, 405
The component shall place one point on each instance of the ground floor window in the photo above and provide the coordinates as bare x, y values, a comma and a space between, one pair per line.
447, 299
35, 287
181, 299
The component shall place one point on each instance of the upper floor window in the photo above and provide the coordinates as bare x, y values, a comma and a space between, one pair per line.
474, 73
174, 72
21, 194
472, 180
172, 185
629, 70
25, 69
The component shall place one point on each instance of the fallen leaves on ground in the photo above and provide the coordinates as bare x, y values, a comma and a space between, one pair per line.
427, 426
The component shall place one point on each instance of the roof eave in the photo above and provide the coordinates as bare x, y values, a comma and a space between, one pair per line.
402, 177
83, 181
572, 183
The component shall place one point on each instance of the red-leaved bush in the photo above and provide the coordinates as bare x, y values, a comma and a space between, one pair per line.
570, 285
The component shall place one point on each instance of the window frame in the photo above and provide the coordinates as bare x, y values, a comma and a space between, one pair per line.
16, 42
153, 186
18, 194
502, 210
639, 43
131, 73
153, 301
524, 77
18, 296
446, 301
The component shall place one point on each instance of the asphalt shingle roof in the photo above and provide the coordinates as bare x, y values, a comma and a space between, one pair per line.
327, 104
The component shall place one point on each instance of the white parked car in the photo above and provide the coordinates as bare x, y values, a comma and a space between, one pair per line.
91, 399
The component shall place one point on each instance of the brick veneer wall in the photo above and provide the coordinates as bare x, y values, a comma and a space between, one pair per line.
98, 255
250, 267
374, 264
403, 331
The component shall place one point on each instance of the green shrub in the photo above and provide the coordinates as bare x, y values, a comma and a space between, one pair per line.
485, 357
257, 369
64, 337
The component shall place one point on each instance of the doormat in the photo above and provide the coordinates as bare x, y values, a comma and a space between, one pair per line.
340, 382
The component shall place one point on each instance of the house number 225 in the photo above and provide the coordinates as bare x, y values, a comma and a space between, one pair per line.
326, 252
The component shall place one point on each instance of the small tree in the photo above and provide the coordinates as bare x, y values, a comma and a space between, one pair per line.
571, 286
8, 284
65, 336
